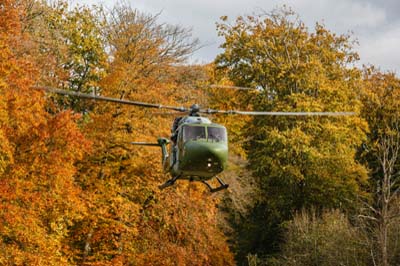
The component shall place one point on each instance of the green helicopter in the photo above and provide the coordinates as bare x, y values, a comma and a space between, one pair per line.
199, 150
198, 147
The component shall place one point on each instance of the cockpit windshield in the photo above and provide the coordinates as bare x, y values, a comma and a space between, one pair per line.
194, 133
216, 134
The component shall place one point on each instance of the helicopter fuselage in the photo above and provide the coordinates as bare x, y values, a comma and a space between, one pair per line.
200, 151
200, 160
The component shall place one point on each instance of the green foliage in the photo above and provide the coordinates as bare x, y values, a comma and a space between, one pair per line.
69, 45
81, 30
328, 240
381, 99
300, 162
394, 241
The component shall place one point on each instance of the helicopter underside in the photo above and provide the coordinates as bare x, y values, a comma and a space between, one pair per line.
221, 186
193, 174
197, 170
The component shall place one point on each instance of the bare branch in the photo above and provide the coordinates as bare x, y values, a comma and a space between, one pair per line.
368, 217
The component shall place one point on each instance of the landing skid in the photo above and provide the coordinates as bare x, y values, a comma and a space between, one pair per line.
172, 181
221, 187
169, 182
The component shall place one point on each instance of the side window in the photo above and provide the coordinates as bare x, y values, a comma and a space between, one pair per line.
180, 138
180, 135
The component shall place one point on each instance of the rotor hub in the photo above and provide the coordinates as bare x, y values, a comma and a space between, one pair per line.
194, 109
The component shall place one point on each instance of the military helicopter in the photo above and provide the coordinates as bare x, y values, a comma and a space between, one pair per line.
199, 147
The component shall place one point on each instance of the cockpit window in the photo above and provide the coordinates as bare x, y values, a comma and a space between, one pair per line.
216, 134
194, 133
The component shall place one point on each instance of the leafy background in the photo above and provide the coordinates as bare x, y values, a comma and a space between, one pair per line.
304, 191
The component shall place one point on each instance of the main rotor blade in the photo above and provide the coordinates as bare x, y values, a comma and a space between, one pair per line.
231, 87
164, 113
109, 99
145, 144
234, 112
183, 109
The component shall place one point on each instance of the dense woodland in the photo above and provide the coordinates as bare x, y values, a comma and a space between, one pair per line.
303, 190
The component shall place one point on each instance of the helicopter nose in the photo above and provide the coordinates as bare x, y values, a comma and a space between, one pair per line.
213, 156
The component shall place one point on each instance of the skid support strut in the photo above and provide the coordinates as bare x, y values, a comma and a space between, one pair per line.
221, 187
169, 182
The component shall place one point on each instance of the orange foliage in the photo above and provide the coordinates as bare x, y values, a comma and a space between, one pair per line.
130, 220
60, 204
38, 198
180, 227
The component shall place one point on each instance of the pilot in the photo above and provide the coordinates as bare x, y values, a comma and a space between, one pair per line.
194, 109
174, 137
174, 131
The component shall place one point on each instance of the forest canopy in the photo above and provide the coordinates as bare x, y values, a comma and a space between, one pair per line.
303, 190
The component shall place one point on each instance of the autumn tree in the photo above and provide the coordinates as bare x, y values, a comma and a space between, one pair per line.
68, 45
39, 197
129, 221
304, 161
112, 222
137, 39
381, 100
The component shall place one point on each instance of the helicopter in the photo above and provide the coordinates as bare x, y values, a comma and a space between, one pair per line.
198, 148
